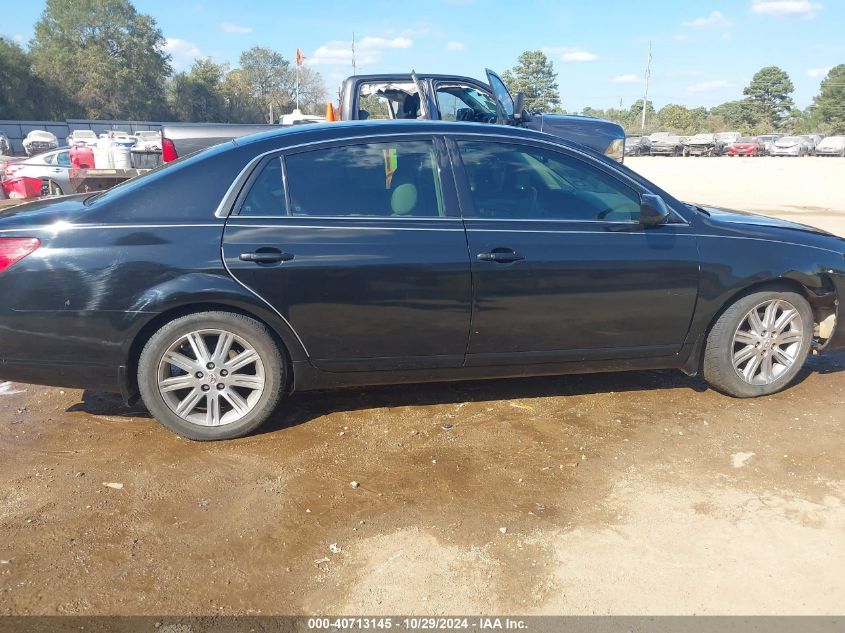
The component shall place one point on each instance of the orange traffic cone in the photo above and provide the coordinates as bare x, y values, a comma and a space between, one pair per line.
330, 112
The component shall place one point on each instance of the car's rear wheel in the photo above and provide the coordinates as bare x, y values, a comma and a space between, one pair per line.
759, 344
211, 375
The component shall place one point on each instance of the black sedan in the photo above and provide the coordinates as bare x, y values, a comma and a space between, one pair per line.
388, 252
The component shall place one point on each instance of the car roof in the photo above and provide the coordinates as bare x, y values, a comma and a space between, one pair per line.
389, 76
318, 132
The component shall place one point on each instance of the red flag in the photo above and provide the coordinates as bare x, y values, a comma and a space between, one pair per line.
299, 57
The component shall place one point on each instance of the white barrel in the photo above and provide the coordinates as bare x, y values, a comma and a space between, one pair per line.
103, 158
121, 157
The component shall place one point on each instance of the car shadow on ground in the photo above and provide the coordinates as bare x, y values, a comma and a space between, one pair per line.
304, 407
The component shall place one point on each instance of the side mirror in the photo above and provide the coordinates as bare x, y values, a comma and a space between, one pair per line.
518, 105
653, 211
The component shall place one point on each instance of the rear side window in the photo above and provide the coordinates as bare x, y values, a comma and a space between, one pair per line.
368, 180
266, 197
527, 183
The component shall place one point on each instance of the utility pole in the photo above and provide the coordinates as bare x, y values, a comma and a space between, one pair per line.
645, 94
354, 72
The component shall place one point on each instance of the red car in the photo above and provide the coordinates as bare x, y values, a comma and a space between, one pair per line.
747, 146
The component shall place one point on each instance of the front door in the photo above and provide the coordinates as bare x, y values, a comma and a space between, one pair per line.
363, 252
562, 269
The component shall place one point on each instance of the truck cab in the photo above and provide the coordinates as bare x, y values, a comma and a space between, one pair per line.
455, 98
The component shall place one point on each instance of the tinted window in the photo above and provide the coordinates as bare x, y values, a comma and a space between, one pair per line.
517, 182
63, 159
375, 179
266, 196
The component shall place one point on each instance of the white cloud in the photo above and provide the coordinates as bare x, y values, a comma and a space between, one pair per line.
19, 38
455, 46
818, 73
681, 37
715, 19
708, 86
792, 8
626, 79
228, 27
571, 54
182, 51
368, 50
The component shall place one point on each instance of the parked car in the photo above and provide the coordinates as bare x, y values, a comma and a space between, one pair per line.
831, 146
88, 137
703, 144
147, 141
790, 146
637, 146
810, 141
747, 146
768, 141
54, 166
399, 252
726, 139
668, 146
5, 145
39, 141
405, 96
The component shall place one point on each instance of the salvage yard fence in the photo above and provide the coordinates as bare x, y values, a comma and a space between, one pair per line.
16, 131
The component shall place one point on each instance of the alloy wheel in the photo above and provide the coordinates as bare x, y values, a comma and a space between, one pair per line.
768, 342
211, 377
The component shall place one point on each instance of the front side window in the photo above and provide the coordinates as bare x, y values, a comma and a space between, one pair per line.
370, 180
63, 159
465, 103
527, 183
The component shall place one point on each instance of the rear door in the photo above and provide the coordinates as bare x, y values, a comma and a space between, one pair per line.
360, 246
562, 269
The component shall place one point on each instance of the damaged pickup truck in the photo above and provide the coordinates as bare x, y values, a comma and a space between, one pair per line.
412, 96
454, 98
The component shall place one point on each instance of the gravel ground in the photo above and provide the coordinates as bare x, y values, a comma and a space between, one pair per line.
639, 493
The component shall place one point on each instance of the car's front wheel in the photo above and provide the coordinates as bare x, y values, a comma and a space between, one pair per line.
759, 344
211, 375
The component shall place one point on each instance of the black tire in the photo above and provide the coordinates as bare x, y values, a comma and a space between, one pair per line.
718, 368
256, 334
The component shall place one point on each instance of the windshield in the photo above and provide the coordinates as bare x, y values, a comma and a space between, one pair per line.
791, 139
703, 137
747, 139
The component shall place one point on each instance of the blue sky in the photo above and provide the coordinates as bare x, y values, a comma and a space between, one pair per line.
704, 53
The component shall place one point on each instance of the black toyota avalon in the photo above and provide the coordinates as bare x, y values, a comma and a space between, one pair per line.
371, 253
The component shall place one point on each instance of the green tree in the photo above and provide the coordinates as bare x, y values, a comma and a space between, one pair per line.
829, 104
734, 115
271, 80
198, 95
535, 76
241, 104
768, 97
676, 118
104, 55
23, 95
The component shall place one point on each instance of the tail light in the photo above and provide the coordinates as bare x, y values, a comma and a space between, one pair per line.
168, 150
14, 249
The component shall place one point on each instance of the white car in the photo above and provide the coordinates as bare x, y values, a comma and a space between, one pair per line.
88, 137
790, 146
831, 146
39, 141
147, 141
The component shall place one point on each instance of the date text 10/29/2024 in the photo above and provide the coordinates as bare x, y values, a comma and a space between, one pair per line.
417, 624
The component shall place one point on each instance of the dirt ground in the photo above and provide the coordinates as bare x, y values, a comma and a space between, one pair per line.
638, 493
